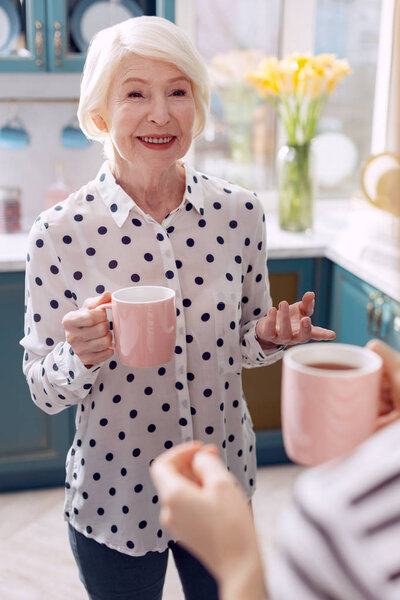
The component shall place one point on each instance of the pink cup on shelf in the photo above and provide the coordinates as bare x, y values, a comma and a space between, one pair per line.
144, 324
330, 400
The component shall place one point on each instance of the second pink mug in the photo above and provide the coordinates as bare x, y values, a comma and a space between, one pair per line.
144, 324
330, 400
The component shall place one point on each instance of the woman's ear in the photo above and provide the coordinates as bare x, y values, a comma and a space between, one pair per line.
99, 121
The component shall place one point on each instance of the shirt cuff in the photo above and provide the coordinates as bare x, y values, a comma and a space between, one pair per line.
70, 372
270, 351
253, 354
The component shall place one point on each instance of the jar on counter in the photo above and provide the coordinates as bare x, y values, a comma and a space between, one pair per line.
10, 209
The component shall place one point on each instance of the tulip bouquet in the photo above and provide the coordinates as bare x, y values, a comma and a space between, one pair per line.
298, 87
237, 98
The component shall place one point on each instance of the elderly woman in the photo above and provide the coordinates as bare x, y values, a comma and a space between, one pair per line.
147, 218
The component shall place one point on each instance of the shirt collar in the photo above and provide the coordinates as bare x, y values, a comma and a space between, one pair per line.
119, 204
114, 197
194, 192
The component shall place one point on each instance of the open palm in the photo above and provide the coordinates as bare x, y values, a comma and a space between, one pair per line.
291, 324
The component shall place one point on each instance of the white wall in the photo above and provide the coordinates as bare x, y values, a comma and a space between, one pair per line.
46, 103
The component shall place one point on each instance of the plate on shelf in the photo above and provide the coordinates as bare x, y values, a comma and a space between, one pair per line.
10, 26
336, 158
89, 16
380, 181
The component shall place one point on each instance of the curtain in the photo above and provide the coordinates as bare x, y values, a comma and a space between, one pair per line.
386, 122
393, 121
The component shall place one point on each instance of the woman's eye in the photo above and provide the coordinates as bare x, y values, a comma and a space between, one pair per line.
135, 95
179, 93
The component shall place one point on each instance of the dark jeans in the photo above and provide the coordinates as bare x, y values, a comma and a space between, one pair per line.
111, 575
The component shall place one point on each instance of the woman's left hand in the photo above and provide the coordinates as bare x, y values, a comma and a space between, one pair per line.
291, 324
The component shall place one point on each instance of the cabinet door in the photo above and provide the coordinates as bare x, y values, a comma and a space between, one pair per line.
23, 45
361, 312
352, 308
68, 20
33, 445
289, 280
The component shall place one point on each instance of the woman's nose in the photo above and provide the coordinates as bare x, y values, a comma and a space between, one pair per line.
158, 111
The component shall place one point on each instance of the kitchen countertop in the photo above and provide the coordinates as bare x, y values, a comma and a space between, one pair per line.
353, 234
358, 237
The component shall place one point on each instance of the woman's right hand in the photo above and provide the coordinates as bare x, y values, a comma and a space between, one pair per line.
88, 331
205, 509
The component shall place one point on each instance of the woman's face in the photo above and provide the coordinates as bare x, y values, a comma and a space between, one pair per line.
150, 112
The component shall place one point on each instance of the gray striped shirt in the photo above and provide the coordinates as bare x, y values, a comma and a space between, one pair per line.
339, 539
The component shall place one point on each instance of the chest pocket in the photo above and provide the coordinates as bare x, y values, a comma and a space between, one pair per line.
227, 312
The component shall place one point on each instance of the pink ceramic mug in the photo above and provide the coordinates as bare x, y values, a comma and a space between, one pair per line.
330, 400
144, 324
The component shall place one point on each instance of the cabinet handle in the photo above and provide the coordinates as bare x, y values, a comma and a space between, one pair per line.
374, 313
370, 315
39, 43
378, 321
57, 43
378, 315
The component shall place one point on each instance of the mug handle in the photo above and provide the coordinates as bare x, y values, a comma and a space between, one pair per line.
105, 305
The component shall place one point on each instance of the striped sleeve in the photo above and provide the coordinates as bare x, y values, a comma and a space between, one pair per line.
339, 538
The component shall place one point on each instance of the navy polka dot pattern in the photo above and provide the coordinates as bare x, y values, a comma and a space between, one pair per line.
211, 251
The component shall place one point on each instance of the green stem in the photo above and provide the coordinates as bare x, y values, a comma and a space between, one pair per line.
296, 188
313, 113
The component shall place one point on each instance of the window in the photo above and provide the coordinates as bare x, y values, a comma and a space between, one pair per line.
240, 141
350, 29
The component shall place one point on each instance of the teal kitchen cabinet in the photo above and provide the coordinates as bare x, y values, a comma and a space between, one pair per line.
33, 445
289, 280
360, 312
45, 35
25, 47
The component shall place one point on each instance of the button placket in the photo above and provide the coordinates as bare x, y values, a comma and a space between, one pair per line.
181, 386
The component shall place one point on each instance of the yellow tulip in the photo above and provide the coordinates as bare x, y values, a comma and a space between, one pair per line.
299, 85
286, 79
265, 78
312, 85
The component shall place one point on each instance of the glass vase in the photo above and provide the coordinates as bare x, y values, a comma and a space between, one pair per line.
296, 187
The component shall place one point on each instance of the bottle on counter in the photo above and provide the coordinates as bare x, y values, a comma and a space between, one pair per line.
58, 191
10, 209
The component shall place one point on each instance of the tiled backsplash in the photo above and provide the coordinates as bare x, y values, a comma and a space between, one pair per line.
33, 169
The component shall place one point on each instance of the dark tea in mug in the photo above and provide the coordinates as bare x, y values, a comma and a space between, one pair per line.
331, 366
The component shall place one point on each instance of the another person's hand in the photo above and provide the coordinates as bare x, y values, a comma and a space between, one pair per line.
389, 409
291, 324
205, 509
88, 331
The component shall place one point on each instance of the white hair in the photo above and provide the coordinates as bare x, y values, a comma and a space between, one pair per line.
151, 37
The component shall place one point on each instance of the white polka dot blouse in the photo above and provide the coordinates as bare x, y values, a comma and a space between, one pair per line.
212, 251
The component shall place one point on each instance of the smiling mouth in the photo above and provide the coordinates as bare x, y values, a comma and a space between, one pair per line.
156, 140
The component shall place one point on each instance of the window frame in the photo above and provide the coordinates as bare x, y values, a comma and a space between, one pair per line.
383, 77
